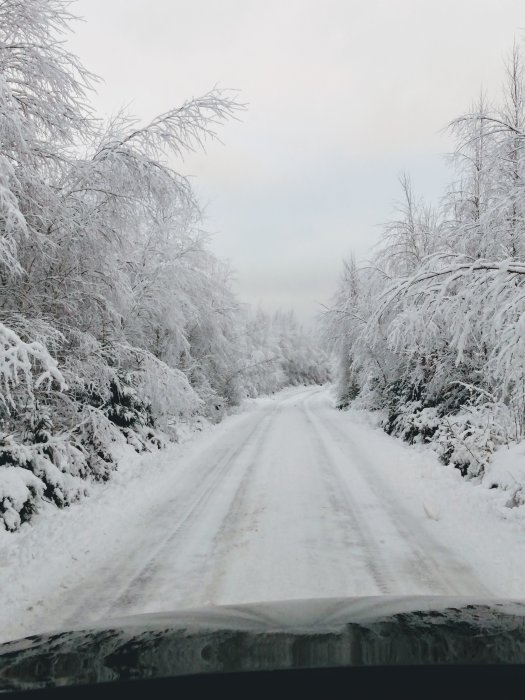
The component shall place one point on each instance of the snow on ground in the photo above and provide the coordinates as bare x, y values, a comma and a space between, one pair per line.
507, 473
288, 499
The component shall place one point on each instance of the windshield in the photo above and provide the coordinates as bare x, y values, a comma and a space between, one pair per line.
262, 317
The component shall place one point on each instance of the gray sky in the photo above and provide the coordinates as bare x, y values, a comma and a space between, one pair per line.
343, 96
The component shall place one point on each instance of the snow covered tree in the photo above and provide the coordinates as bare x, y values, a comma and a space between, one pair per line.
100, 257
432, 332
116, 320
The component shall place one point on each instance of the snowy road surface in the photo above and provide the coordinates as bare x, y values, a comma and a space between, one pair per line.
290, 499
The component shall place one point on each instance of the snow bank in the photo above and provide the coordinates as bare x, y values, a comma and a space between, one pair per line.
507, 472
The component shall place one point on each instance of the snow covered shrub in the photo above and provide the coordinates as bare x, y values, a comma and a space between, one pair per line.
468, 439
125, 407
20, 492
413, 423
347, 384
29, 381
31, 473
212, 404
166, 390
95, 436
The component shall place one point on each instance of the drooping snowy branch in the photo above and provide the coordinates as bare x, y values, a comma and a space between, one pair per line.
26, 366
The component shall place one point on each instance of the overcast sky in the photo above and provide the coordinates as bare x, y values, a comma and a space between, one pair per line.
343, 96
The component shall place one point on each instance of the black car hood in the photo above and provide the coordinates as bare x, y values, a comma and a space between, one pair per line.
321, 633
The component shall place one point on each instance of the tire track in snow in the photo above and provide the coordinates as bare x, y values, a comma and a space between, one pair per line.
361, 536
147, 575
241, 507
429, 562
106, 596
262, 559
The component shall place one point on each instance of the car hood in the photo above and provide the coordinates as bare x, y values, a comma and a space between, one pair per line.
320, 633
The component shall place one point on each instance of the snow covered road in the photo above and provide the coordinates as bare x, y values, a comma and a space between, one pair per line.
290, 499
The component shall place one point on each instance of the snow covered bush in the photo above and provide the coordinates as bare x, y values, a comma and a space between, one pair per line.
20, 491
468, 439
